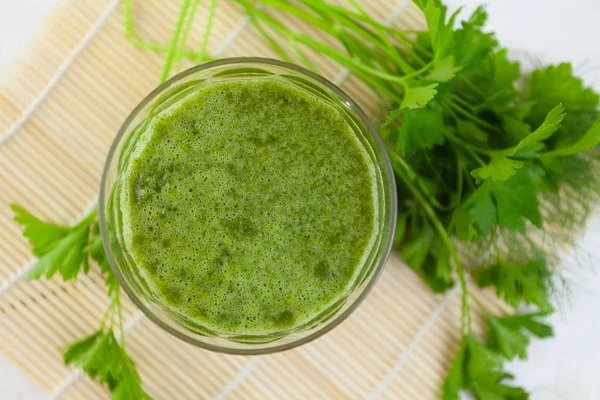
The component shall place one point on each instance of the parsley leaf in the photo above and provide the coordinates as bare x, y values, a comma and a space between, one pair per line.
100, 355
590, 139
482, 207
443, 70
59, 248
418, 96
508, 335
473, 47
455, 379
441, 32
533, 143
478, 369
556, 84
500, 168
471, 132
462, 224
517, 283
516, 201
506, 72
421, 128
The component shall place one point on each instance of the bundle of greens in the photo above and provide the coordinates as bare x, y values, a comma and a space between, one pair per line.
489, 160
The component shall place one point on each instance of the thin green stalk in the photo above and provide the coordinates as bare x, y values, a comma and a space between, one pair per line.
185, 34
209, 23
462, 102
127, 19
159, 47
120, 313
174, 40
376, 39
348, 13
329, 51
472, 118
471, 85
469, 178
403, 170
271, 41
459, 168
303, 58
384, 38
381, 41
298, 12
467, 146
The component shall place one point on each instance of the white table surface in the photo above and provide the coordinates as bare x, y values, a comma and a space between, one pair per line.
564, 367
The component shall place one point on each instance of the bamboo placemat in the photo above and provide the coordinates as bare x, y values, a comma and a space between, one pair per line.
61, 104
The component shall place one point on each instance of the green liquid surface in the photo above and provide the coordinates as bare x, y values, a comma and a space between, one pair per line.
248, 207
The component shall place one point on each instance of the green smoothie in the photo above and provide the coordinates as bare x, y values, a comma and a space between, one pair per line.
248, 207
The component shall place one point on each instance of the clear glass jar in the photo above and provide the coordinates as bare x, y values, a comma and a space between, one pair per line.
175, 89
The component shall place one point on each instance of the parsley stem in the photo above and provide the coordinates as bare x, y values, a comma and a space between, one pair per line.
403, 171
471, 85
185, 34
127, 20
392, 50
321, 47
270, 40
120, 312
472, 150
331, 8
459, 177
462, 102
209, 23
174, 40
473, 118
159, 48
303, 58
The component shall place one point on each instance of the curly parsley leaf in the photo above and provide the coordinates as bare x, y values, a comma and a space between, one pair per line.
508, 335
59, 248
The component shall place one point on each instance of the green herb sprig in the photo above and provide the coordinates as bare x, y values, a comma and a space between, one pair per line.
487, 158
67, 250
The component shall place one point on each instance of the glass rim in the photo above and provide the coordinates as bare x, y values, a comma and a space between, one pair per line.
390, 202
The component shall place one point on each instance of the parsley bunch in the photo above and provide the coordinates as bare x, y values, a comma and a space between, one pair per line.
491, 161
488, 159
67, 250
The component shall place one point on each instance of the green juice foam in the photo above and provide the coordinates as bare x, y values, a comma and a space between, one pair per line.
248, 207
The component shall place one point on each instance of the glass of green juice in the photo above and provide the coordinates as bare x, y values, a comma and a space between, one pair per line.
247, 206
